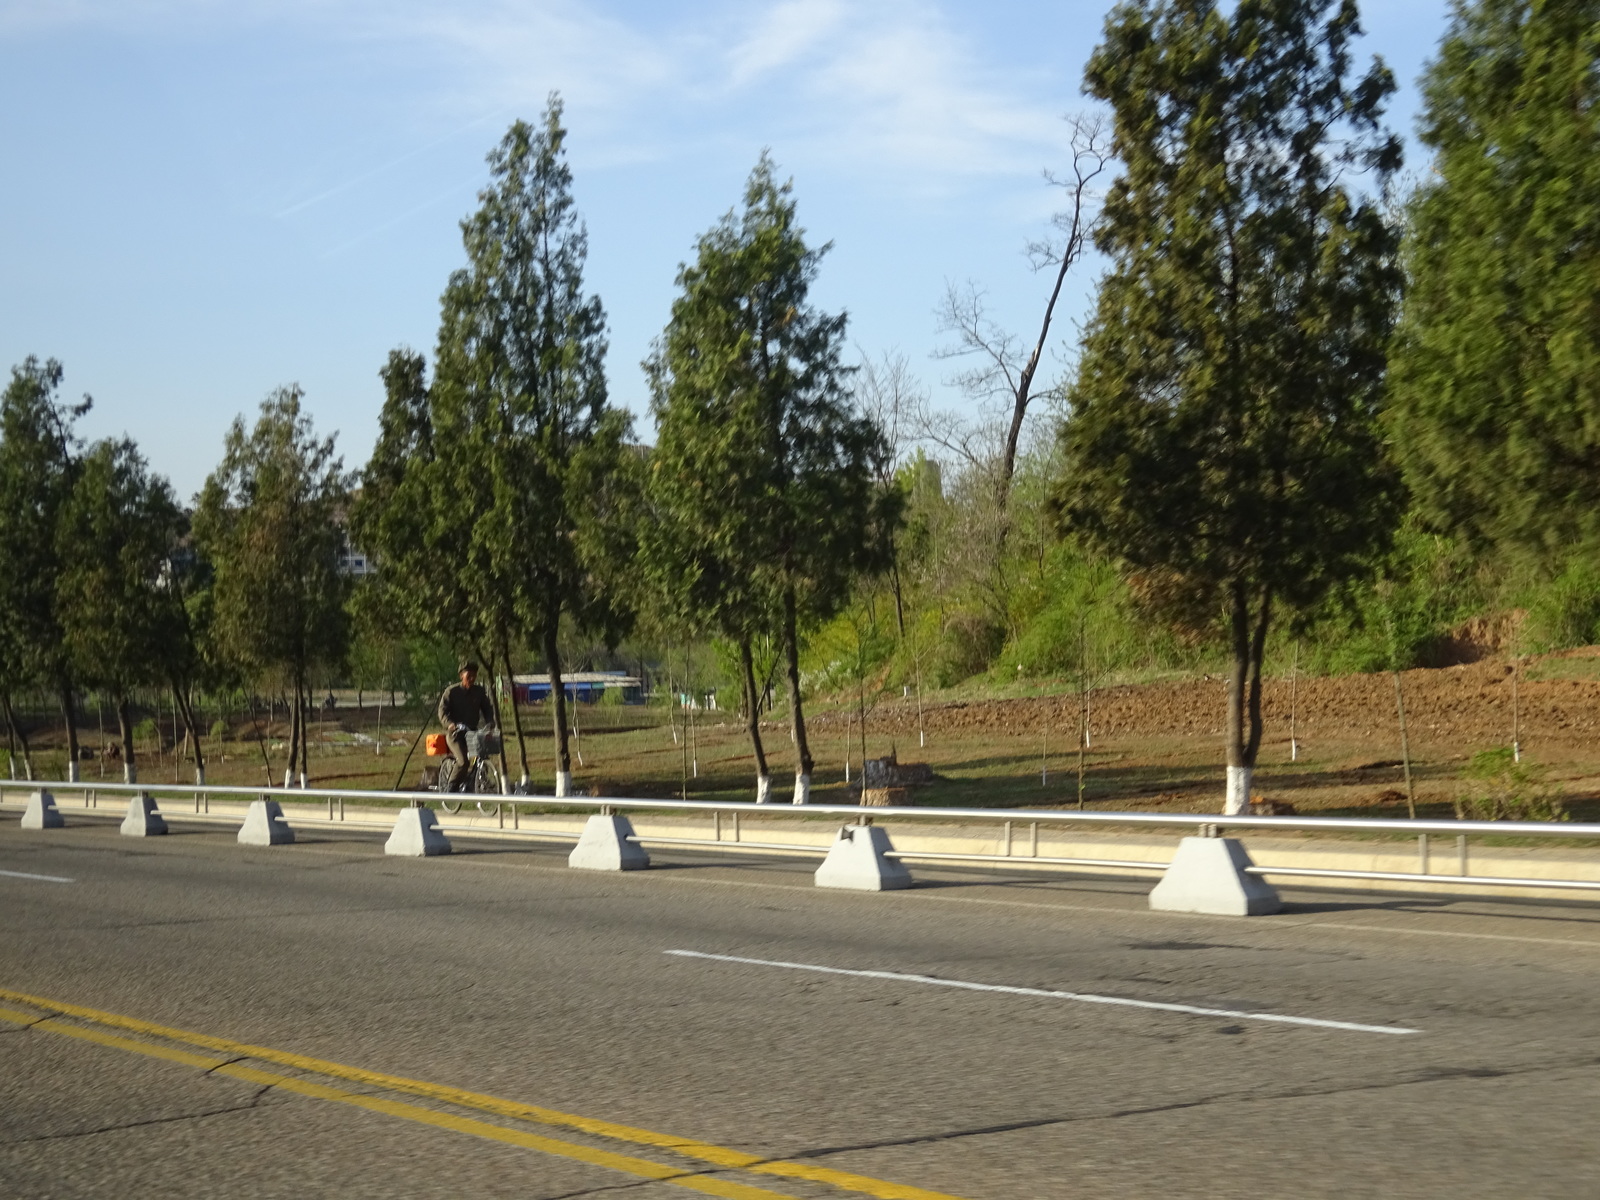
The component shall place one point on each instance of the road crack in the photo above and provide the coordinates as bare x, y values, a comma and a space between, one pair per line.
253, 1103
1434, 1075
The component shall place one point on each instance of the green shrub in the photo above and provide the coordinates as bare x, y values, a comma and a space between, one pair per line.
969, 644
1566, 611
219, 730
1499, 788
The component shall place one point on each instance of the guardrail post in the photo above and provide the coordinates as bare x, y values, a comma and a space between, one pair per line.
265, 825
856, 861
1207, 875
416, 834
42, 812
606, 845
144, 817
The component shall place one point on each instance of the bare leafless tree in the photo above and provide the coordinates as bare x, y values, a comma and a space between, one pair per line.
999, 371
893, 398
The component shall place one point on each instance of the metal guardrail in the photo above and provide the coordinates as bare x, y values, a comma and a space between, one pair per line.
1210, 825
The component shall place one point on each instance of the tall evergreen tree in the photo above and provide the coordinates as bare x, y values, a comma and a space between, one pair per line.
1496, 368
413, 514
269, 523
529, 458
121, 618
765, 473
38, 465
1223, 441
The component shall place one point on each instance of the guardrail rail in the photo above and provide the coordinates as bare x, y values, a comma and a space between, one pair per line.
728, 817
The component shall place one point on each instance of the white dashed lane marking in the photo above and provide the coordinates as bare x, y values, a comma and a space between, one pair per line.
1080, 997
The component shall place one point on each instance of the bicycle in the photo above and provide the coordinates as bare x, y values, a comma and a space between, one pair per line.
483, 773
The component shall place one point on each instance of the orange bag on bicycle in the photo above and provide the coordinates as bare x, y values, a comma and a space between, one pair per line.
438, 747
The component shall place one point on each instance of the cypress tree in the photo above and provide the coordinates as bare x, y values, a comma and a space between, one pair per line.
765, 472
531, 481
39, 463
122, 620
1496, 368
1223, 442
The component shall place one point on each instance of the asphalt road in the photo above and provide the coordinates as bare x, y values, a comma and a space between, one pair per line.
501, 972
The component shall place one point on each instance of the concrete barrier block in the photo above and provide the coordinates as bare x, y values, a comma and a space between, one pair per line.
1207, 875
264, 825
604, 846
42, 812
144, 818
416, 836
856, 860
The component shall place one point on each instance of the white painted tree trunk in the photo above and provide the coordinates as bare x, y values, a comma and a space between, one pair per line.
199, 777
802, 789
72, 772
1238, 800
563, 784
130, 773
763, 789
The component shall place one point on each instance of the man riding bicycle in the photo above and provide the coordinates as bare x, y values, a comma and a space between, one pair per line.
464, 706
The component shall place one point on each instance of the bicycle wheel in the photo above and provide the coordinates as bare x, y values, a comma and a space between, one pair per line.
447, 774
486, 782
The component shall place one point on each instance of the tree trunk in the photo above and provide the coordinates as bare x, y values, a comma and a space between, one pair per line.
558, 703
255, 723
15, 728
192, 724
1249, 638
303, 702
69, 713
516, 719
752, 716
294, 741
797, 720
130, 770
899, 599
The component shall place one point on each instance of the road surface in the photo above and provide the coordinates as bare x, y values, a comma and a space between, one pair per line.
183, 1016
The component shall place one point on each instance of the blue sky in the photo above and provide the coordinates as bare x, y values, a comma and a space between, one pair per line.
204, 200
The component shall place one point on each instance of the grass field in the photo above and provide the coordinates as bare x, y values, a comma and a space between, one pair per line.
1155, 745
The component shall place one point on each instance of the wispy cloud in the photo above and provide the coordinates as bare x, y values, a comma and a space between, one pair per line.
879, 85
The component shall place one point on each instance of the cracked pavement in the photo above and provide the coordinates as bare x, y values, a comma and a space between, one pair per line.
499, 970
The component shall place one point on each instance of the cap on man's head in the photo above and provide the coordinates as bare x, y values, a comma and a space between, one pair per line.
469, 665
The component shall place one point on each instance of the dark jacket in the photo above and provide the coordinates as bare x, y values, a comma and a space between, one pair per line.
467, 706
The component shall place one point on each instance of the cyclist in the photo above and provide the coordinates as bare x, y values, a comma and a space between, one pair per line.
464, 706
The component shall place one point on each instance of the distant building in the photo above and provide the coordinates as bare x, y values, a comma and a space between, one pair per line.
355, 563
584, 686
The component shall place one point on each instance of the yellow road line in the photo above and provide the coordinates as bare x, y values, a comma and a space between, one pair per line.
627, 1164
720, 1156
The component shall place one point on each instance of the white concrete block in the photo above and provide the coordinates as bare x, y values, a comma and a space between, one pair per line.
42, 812
264, 825
856, 861
1207, 876
144, 818
604, 846
414, 835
